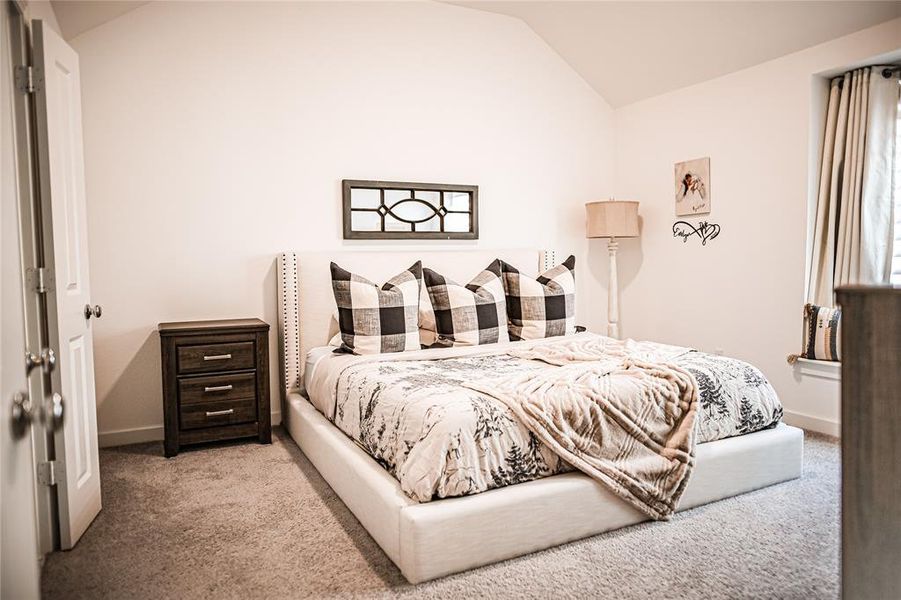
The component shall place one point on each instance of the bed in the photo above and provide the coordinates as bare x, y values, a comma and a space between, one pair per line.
429, 539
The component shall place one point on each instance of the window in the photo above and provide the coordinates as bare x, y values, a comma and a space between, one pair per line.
846, 248
896, 254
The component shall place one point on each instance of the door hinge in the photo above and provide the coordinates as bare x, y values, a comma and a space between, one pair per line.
40, 279
47, 473
29, 79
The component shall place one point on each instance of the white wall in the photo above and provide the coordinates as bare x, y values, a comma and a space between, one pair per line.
217, 134
743, 292
210, 148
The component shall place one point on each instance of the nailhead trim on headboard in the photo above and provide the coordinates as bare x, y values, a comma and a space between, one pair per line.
547, 259
288, 322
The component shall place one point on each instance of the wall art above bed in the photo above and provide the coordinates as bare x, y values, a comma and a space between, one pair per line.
392, 210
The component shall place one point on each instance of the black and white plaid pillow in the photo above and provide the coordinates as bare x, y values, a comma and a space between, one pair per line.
376, 320
542, 307
472, 314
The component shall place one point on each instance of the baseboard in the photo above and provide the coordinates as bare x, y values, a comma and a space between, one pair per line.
151, 433
812, 423
136, 435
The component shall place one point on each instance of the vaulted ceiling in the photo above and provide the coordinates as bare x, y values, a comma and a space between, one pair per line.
628, 51
77, 16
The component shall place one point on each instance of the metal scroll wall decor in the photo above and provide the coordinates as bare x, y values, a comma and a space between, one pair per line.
395, 210
704, 231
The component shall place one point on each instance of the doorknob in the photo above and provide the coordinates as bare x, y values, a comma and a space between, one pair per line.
53, 413
22, 412
46, 360
96, 311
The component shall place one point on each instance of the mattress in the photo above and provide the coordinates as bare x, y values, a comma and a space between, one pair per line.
411, 412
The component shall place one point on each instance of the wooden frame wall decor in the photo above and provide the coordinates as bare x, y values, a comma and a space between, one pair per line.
397, 210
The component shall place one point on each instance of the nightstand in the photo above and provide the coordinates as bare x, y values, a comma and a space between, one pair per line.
215, 381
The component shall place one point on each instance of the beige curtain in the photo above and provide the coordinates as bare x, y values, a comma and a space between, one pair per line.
853, 230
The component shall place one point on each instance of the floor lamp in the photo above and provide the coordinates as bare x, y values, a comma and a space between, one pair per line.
612, 219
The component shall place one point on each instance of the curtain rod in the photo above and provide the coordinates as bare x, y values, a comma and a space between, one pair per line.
887, 72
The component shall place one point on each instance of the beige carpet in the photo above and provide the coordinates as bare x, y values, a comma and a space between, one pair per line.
251, 521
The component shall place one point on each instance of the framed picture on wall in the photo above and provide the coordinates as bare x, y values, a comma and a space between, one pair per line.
693, 187
394, 210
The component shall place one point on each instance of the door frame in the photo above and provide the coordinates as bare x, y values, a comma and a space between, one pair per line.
36, 325
20, 511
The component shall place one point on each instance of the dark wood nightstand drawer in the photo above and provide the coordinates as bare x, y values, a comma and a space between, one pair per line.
219, 412
216, 387
206, 358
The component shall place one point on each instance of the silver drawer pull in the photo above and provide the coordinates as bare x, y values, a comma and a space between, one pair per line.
219, 413
217, 388
218, 357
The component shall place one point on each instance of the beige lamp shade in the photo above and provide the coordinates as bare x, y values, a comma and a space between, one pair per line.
612, 218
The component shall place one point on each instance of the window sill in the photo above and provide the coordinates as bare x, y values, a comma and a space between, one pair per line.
824, 369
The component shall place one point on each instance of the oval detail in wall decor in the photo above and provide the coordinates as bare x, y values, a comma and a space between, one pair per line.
408, 211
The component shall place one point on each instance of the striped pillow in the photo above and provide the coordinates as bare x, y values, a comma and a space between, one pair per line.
373, 319
469, 315
542, 307
822, 333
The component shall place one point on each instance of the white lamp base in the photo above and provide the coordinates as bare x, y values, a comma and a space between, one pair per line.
612, 292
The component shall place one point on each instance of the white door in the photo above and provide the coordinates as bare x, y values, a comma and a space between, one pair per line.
19, 570
61, 174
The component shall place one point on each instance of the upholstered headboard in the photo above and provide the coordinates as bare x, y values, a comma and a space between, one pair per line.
307, 306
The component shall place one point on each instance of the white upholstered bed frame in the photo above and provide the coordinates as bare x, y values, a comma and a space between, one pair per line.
446, 536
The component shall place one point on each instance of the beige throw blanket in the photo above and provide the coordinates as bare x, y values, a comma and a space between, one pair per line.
622, 419
597, 348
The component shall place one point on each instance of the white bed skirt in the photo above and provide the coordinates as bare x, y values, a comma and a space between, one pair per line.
446, 536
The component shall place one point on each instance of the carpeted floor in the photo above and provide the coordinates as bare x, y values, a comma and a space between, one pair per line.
251, 521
